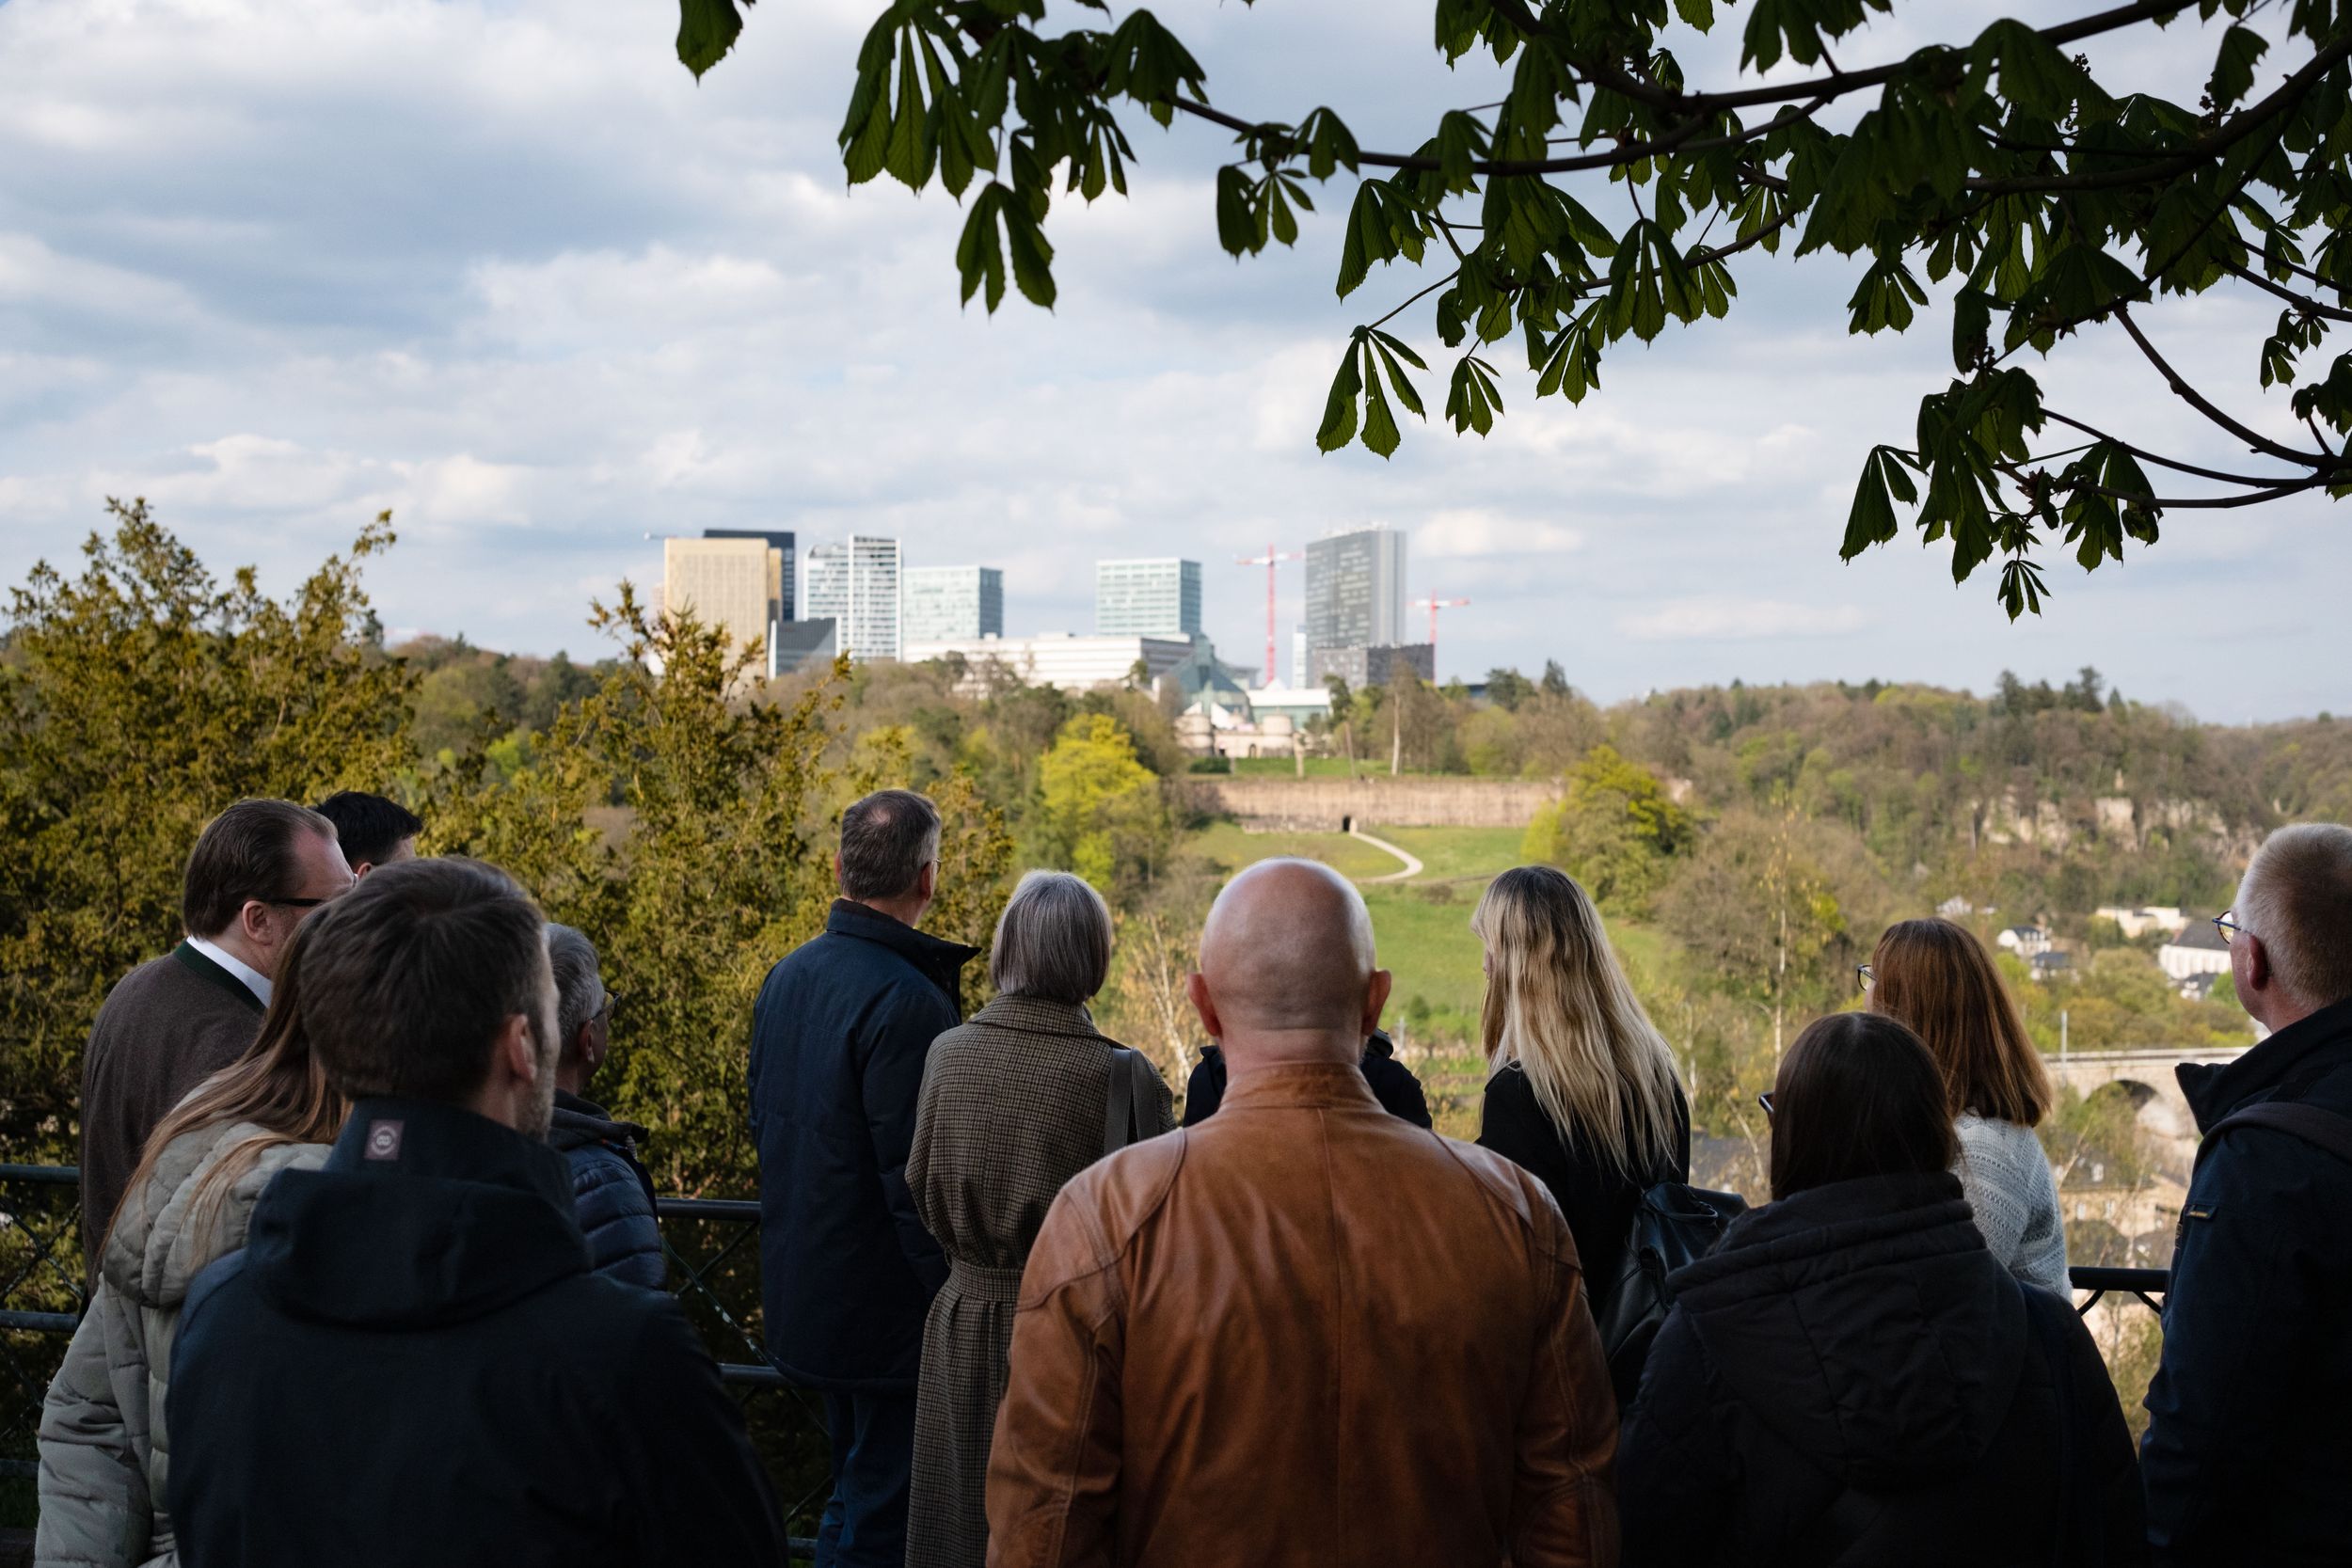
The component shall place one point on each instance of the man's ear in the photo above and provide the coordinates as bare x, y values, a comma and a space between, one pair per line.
1196, 992
516, 1054
254, 922
2257, 970
1377, 998
927, 881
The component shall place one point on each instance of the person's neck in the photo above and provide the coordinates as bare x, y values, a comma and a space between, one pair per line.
1257, 1050
234, 942
2280, 1011
906, 911
573, 1081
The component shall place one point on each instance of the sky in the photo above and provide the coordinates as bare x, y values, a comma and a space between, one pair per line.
508, 271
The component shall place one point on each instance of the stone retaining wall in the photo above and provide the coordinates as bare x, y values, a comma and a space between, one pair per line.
1334, 805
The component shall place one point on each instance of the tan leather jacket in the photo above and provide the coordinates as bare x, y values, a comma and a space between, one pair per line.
1304, 1331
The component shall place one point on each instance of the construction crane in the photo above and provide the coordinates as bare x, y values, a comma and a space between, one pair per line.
1433, 605
1272, 561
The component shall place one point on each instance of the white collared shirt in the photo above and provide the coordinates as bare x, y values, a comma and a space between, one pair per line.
255, 981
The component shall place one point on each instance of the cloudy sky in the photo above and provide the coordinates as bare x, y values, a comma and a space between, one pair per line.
505, 269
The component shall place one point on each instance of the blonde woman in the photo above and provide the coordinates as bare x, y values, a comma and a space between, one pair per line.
1583, 1095
103, 1440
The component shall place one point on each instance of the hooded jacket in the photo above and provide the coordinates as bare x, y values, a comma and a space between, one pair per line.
411, 1362
839, 1036
612, 1190
1850, 1378
105, 1447
2247, 1450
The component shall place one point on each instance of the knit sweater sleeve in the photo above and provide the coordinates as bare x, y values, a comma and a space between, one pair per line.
2007, 1183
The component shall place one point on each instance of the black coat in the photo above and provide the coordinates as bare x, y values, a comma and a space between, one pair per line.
2248, 1448
410, 1361
611, 1192
839, 1036
1597, 1199
1393, 1084
1850, 1378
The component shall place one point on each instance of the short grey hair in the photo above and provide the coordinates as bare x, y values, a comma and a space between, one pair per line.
1053, 940
2296, 900
578, 985
886, 841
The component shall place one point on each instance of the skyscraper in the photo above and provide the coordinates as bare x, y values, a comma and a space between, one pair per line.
947, 604
1159, 597
781, 541
734, 584
854, 584
1356, 590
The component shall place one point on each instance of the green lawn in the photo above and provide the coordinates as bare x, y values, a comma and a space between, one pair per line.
1228, 848
1456, 852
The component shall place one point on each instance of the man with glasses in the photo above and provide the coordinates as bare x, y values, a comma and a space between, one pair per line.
258, 871
2246, 1448
612, 1190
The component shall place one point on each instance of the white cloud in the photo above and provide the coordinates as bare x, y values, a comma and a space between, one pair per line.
1716, 619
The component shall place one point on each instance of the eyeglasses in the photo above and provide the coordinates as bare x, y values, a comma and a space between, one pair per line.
295, 903
2229, 929
611, 1001
1765, 1100
1863, 977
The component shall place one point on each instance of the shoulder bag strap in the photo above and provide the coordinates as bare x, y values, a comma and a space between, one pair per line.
2323, 1128
1118, 1115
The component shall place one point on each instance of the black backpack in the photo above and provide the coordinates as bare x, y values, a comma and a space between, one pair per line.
1674, 1224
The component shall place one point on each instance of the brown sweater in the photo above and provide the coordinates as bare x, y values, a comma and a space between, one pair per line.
164, 1028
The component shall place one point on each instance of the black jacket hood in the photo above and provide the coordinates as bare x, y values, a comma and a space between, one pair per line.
1866, 1325
424, 1215
577, 1122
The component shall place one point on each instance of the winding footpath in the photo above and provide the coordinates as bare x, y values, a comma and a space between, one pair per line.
1412, 863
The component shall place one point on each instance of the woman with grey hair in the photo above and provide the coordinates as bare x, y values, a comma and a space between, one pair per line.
1015, 1102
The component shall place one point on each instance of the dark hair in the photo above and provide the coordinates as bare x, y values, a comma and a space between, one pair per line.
410, 976
1937, 977
370, 826
886, 841
1858, 1095
244, 855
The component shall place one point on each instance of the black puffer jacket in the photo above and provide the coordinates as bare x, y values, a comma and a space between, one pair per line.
1851, 1379
612, 1190
1393, 1084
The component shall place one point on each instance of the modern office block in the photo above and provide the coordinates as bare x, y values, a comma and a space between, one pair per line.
781, 540
854, 583
1356, 591
1064, 660
732, 584
1363, 668
1157, 597
947, 604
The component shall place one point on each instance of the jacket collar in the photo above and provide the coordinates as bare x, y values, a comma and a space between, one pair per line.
205, 969
579, 1121
1923, 1212
1299, 1085
418, 1138
2307, 1049
1035, 1015
940, 961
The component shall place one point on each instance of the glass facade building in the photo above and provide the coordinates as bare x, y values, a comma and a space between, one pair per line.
854, 583
1159, 597
945, 604
1354, 590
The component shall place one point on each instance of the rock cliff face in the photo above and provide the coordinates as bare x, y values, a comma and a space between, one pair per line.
2117, 819
1334, 805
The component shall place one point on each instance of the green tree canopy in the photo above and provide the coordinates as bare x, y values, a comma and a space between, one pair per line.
1099, 810
1605, 196
1615, 827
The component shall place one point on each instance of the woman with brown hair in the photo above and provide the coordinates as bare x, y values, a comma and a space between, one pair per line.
104, 1448
1583, 1094
1936, 978
1850, 1378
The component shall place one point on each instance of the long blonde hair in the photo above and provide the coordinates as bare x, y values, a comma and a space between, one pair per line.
1559, 1004
278, 1085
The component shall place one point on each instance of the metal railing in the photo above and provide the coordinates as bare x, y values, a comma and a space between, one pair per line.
716, 1279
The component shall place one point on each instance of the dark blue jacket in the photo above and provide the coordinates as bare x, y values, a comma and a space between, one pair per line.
2249, 1448
410, 1362
611, 1192
839, 1036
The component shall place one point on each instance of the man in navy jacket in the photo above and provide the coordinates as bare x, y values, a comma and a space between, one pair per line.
839, 1036
2247, 1447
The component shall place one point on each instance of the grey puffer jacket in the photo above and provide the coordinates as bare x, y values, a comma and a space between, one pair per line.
102, 1445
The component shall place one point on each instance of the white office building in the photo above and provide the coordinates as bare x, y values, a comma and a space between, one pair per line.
854, 583
1062, 660
948, 603
1158, 598
734, 584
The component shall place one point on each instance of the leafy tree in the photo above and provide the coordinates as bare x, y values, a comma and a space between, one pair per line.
1614, 829
136, 700
1508, 689
1099, 810
1999, 169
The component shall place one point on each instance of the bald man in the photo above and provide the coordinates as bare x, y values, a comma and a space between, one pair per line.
1304, 1331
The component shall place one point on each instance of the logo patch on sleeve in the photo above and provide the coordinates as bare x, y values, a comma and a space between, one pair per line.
383, 1140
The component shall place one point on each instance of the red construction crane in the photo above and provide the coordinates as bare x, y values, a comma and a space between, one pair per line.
1433, 605
1272, 561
